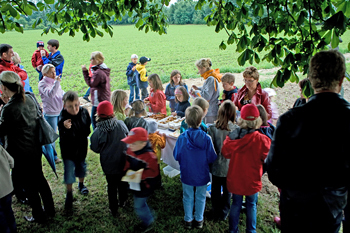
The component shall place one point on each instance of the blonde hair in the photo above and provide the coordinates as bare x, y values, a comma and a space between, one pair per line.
157, 83
172, 74
204, 62
137, 108
263, 114
251, 72
226, 113
194, 115
184, 93
244, 124
15, 58
117, 99
201, 102
98, 56
46, 68
228, 78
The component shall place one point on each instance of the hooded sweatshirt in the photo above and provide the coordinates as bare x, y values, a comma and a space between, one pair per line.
194, 151
141, 80
247, 150
99, 83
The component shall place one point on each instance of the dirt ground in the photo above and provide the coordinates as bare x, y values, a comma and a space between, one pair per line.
285, 99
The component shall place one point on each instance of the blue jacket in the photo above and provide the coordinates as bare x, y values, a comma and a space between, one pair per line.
131, 75
268, 130
194, 151
170, 95
57, 60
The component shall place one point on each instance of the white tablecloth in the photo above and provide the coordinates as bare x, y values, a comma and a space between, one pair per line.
167, 152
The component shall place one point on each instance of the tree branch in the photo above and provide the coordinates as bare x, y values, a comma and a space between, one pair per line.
3, 22
290, 15
19, 7
310, 16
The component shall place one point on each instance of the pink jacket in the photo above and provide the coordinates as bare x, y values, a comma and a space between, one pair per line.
51, 95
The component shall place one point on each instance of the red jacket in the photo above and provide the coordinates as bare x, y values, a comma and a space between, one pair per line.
10, 66
157, 101
247, 155
260, 97
36, 58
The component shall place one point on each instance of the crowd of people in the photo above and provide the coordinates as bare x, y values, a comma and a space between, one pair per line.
230, 141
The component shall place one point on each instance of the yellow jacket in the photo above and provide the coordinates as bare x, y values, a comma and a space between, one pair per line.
142, 71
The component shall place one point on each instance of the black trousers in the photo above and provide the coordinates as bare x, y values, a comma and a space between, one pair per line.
7, 219
116, 187
36, 189
307, 214
220, 203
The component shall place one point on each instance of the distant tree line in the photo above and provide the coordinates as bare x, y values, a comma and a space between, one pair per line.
182, 12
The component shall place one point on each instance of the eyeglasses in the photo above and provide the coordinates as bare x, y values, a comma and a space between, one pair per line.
248, 81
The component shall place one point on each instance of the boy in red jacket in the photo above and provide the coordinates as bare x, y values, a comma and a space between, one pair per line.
247, 150
37, 61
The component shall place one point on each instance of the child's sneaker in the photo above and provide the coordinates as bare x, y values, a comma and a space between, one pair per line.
198, 225
83, 190
188, 225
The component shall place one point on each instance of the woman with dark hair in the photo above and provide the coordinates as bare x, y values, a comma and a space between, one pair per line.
18, 125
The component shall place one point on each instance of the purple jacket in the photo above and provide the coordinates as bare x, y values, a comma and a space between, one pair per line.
51, 95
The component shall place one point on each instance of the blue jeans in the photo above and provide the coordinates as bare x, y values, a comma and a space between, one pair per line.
236, 209
40, 75
194, 198
87, 93
93, 117
132, 92
73, 169
7, 219
143, 211
53, 121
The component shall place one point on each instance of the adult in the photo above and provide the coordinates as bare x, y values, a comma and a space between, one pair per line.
51, 96
18, 125
99, 82
6, 64
251, 92
210, 89
17, 62
309, 156
55, 57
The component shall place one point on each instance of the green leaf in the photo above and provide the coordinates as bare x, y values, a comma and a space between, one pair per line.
347, 76
37, 22
49, 1
13, 12
71, 33
328, 36
335, 40
245, 56
256, 58
301, 18
307, 90
139, 23
110, 31
222, 46
99, 33
18, 27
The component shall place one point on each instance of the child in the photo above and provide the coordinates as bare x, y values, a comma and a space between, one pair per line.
131, 75
218, 132
181, 98
156, 101
106, 141
194, 151
157, 141
266, 128
302, 100
247, 149
228, 84
175, 82
74, 128
204, 105
55, 57
140, 155
37, 61
274, 109
119, 100
141, 80
135, 117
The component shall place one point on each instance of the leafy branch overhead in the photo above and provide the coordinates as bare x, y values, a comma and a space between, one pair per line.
289, 31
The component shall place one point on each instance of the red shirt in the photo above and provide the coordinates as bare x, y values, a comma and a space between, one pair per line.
157, 101
247, 156
36, 58
10, 66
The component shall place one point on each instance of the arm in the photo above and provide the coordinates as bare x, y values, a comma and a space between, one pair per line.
96, 143
129, 71
21, 73
208, 89
152, 168
225, 150
182, 113
211, 154
54, 60
96, 77
177, 152
168, 94
49, 92
159, 102
34, 60
4, 122
143, 75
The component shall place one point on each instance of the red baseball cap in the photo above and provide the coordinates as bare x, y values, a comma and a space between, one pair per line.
105, 109
136, 134
249, 112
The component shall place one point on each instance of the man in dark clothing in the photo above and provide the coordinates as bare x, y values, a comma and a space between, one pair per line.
309, 156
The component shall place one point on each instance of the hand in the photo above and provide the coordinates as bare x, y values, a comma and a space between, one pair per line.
194, 87
58, 78
67, 124
39, 67
42, 53
174, 113
134, 68
223, 96
83, 67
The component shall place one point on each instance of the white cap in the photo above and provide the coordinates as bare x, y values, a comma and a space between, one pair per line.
134, 56
270, 91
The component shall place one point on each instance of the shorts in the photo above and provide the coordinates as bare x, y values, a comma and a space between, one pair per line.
73, 169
